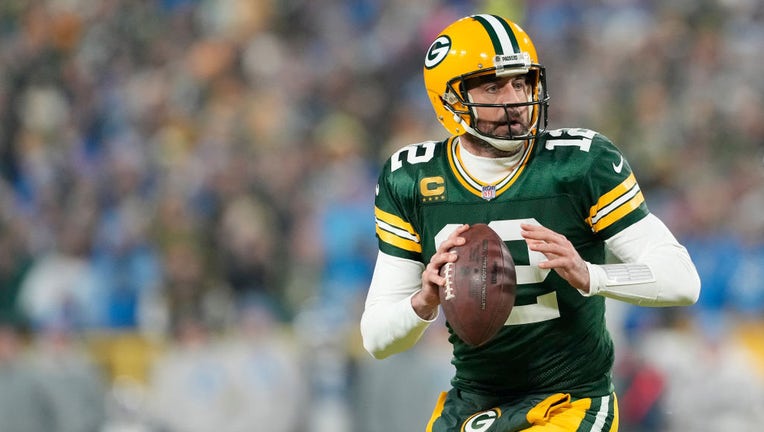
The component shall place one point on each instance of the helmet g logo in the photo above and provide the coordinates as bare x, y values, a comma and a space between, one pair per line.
437, 52
481, 421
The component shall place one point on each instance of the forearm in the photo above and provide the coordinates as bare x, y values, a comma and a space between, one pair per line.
388, 329
389, 324
655, 270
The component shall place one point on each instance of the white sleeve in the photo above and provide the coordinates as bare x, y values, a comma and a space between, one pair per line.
655, 269
389, 324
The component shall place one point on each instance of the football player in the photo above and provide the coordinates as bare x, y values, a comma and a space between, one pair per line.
569, 208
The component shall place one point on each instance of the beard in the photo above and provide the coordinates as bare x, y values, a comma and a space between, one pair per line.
503, 137
509, 127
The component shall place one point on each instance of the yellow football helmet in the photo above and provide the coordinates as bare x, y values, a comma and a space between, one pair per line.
480, 45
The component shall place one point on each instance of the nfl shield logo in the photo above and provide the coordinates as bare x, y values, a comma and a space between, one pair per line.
489, 192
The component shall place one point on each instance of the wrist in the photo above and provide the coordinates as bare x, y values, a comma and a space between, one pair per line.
596, 280
425, 310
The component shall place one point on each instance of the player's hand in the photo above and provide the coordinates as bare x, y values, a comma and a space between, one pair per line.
561, 256
426, 301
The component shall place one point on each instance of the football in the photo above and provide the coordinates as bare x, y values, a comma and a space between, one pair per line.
480, 286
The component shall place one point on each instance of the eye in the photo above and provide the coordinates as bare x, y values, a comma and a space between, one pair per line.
491, 88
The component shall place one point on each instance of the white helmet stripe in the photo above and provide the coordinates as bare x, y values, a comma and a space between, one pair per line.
501, 35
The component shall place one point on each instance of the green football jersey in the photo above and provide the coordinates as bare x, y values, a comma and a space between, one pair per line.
573, 181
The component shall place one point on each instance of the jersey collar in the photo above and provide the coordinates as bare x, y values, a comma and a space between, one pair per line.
487, 191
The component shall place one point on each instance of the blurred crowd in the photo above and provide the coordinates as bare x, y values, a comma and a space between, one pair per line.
186, 205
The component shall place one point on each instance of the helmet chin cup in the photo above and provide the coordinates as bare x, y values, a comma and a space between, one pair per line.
506, 145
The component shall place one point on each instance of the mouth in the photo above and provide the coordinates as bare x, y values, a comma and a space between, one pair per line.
515, 128
507, 128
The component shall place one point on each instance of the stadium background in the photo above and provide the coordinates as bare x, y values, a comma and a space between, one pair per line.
186, 227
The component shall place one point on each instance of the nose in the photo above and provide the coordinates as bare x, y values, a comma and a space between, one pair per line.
510, 95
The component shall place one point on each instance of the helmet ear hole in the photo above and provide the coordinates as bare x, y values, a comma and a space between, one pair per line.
449, 98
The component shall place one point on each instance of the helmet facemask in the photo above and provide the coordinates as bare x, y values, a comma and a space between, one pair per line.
458, 101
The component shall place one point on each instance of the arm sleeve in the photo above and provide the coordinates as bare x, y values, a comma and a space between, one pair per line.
654, 269
389, 324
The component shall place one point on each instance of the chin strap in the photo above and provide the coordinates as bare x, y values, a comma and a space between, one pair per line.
501, 144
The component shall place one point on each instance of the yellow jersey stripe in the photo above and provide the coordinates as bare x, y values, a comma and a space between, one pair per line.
456, 150
611, 196
395, 221
619, 212
615, 204
519, 169
455, 168
397, 232
397, 241
631, 193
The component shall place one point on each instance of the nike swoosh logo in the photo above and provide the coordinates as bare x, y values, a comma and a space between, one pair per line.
619, 167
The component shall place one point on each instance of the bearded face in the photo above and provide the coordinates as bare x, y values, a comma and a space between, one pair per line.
504, 119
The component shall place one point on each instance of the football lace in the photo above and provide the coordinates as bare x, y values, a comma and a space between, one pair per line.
449, 275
